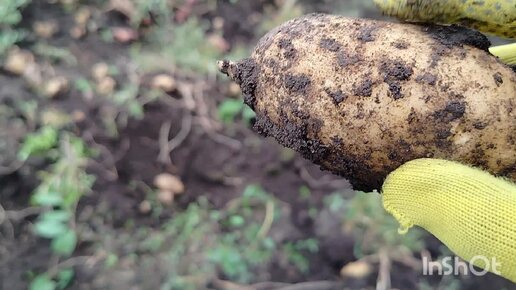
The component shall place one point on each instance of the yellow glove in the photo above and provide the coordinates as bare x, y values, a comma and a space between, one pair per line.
497, 17
469, 210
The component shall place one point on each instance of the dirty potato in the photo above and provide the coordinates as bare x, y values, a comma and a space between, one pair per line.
361, 97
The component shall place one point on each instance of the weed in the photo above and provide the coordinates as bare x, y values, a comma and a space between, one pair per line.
111, 260
304, 192
313, 212
84, 86
160, 9
200, 243
10, 12
28, 110
122, 104
55, 54
372, 227
38, 143
294, 253
10, 16
45, 282
240, 246
230, 109
126, 100
62, 185
245, 243
192, 53
446, 283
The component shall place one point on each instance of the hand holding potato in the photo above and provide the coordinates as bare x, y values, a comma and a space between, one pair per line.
496, 17
470, 211
365, 98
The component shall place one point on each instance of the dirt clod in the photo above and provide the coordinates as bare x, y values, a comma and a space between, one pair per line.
336, 96
396, 70
297, 83
498, 78
289, 51
427, 78
395, 90
344, 60
454, 35
453, 110
245, 73
330, 44
364, 88
366, 34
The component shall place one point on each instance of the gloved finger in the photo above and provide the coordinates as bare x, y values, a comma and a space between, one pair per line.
469, 210
421, 11
506, 53
492, 16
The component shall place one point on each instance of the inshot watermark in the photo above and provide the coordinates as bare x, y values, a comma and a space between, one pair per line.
456, 266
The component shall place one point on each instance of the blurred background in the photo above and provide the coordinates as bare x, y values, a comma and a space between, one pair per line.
128, 162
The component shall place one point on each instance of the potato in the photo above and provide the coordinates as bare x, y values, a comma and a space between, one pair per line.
361, 97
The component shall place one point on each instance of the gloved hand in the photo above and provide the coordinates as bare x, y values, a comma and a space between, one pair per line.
497, 17
470, 211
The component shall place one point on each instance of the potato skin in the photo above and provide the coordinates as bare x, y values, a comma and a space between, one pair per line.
361, 97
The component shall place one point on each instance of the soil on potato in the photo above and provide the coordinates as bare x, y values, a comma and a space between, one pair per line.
214, 166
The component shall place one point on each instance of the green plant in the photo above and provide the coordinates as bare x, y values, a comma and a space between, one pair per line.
245, 243
230, 109
304, 192
45, 282
183, 46
63, 183
10, 16
446, 283
294, 253
199, 243
38, 143
60, 189
373, 228
83, 85
54, 53
239, 243
127, 102
126, 99
123, 103
160, 9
